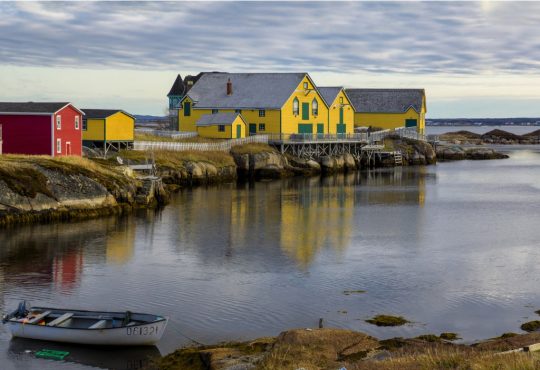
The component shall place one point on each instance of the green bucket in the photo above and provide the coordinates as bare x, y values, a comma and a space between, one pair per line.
51, 354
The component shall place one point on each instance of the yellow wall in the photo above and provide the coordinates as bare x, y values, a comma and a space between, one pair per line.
229, 133
94, 130
348, 114
391, 120
289, 122
120, 127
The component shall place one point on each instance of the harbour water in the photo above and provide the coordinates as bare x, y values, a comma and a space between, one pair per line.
451, 247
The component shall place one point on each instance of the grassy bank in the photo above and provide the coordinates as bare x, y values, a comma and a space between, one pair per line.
176, 159
320, 349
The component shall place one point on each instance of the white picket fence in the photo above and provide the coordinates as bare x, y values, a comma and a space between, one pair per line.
406, 132
223, 146
166, 133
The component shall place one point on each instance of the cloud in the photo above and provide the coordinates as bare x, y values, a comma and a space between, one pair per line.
399, 37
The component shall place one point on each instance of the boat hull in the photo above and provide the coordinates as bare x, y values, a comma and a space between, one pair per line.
139, 335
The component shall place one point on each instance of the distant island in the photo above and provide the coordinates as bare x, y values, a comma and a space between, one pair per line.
483, 122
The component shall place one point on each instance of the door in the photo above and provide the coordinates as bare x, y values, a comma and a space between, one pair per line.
252, 128
320, 130
305, 111
341, 129
410, 123
68, 148
305, 128
238, 131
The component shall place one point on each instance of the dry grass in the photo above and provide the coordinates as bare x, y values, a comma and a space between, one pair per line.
177, 160
252, 148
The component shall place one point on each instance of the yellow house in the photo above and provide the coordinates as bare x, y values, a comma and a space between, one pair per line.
105, 128
222, 126
340, 110
389, 108
269, 103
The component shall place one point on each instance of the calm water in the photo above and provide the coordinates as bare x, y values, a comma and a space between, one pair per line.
518, 130
452, 247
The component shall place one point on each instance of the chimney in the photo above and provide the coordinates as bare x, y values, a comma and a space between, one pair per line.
229, 87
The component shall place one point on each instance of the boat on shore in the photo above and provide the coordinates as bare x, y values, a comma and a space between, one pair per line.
85, 327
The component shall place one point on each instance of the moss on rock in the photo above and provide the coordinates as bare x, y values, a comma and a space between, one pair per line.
387, 320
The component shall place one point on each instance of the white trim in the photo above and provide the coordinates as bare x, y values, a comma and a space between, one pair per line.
59, 144
58, 127
77, 123
72, 106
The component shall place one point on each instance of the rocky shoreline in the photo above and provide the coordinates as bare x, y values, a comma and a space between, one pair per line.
498, 137
41, 189
318, 349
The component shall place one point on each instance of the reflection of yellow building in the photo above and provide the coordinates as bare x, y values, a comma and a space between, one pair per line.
120, 244
319, 215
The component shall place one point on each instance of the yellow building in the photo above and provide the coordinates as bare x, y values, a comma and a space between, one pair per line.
389, 108
106, 128
222, 126
340, 110
269, 103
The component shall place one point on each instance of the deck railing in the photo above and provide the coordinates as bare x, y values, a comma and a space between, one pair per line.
222, 146
316, 138
166, 133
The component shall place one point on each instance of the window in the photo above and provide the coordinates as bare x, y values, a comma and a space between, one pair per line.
84, 124
305, 85
187, 109
215, 111
341, 100
295, 107
58, 122
58, 145
262, 113
314, 107
76, 122
262, 127
221, 128
238, 111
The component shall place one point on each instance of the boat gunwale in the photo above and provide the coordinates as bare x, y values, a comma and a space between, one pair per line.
15, 321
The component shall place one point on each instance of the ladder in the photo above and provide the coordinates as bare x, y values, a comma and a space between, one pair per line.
398, 159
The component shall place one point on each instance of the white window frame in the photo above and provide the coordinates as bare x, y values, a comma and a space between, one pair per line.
296, 107
76, 122
58, 122
59, 146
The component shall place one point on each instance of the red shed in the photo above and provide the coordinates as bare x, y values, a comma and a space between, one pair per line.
40, 128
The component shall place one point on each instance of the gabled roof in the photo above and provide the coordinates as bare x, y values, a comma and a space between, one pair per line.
218, 119
249, 90
102, 113
329, 94
178, 88
386, 100
33, 107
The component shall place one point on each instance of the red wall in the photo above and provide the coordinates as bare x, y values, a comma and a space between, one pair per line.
31, 134
26, 134
67, 132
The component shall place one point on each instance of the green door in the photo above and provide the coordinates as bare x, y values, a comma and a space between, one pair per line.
187, 109
320, 129
252, 128
305, 128
238, 131
341, 128
410, 123
341, 115
305, 111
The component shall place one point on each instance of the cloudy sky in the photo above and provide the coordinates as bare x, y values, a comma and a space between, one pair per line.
475, 59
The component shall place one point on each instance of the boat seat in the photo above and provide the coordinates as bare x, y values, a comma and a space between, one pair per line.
38, 318
99, 325
60, 319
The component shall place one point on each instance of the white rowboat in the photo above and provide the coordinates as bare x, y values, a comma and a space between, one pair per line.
86, 327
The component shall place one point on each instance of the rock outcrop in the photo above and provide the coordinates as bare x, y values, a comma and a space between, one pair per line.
269, 165
456, 153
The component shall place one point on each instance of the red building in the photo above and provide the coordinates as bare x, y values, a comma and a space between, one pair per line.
40, 128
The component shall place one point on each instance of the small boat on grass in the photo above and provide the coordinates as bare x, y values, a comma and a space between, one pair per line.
85, 327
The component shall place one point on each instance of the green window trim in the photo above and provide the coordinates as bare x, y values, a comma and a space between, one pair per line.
305, 128
187, 109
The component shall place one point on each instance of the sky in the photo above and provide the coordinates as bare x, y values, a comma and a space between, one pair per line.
475, 59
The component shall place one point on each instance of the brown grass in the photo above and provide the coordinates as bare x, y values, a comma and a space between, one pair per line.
177, 160
252, 148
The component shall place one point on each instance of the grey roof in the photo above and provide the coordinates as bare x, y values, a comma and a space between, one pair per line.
217, 119
329, 93
102, 113
249, 90
31, 107
385, 100
178, 88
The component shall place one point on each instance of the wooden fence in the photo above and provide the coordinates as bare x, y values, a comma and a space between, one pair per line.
222, 146
166, 133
